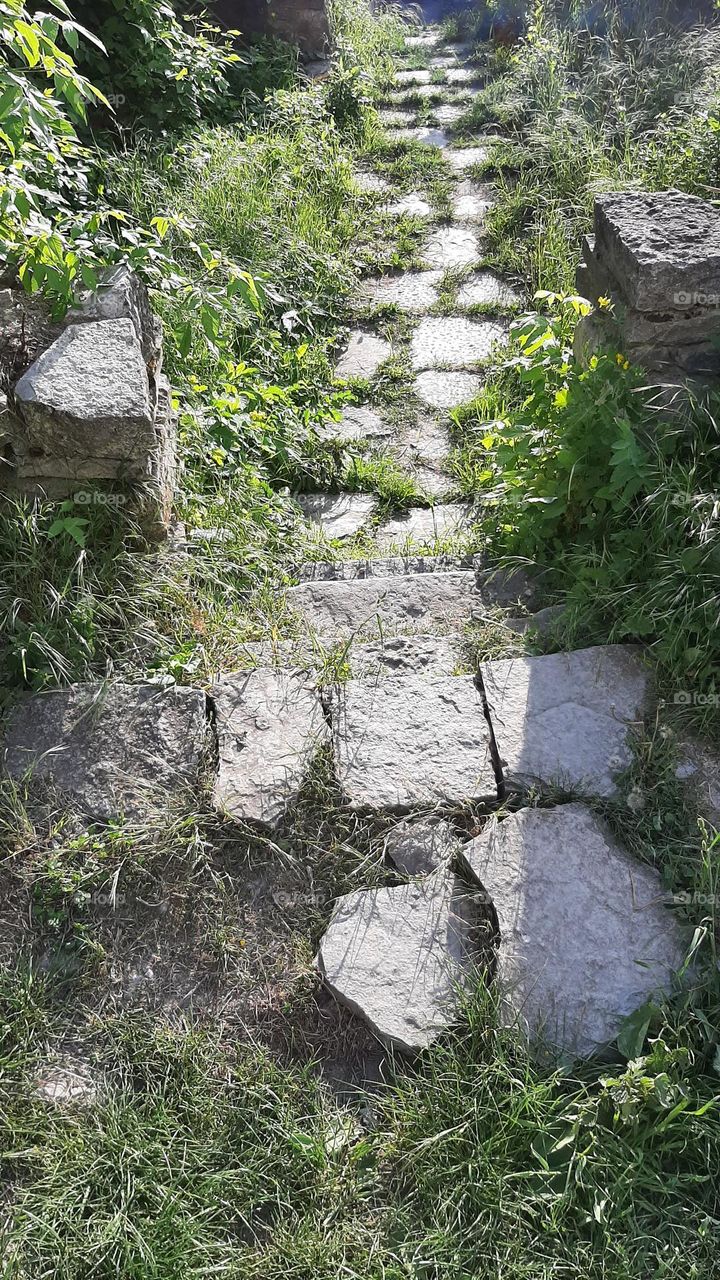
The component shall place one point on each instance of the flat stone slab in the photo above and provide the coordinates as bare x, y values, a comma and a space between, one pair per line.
448, 113
585, 938
412, 206
420, 847
414, 602
445, 390
399, 957
270, 724
340, 515
403, 655
452, 246
357, 423
88, 396
389, 567
396, 119
425, 526
663, 248
487, 289
700, 768
371, 183
425, 444
413, 291
412, 77
364, 355
412, 741
453, 342
563, 719
462, 75
113, 750
471, 201
465, 157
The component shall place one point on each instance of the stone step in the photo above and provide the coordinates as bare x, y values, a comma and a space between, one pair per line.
392, 566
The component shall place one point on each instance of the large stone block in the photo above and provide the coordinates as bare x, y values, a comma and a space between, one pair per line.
122, 295
113, 750
584, 935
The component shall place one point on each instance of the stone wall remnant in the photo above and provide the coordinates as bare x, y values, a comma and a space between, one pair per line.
656, 257
85, 400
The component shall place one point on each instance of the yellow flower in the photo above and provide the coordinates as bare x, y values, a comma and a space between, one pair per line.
619, 358
604, 303
626, 364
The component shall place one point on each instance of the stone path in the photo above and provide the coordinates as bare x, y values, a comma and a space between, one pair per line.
421, 732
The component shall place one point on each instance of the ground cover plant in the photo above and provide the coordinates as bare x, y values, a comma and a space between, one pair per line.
215, 1140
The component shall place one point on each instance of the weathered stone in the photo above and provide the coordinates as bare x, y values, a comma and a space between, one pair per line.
88, 395
396, 119
448, 114
663, 248
445, 390
700, 768
461, 75
412, 741
340, 515
543, 623
424, 41
421, 847
370, 606
471, 202
399, 957
452, 246
563, 719
113, 750
122, 295
357, 423
453, 342
466, 157
389, 567
435, 655
371, 183
412, 206
364, 355
487, 289
413, 291
425, 526
270, 724
433, 484
430, 136
68, 1082
584, 937
412, 77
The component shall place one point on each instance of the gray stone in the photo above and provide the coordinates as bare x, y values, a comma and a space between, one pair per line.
341, 515
452, 246
122, 295
543, 623
453, 342
426, 444
396, 119
425, 526
412, 206
412, 741
433, 484
564, 718
585, 938
389, 567
357, 423
424, 41
430, 136
270, 724
412, 77
68, 1082
435, 655
465, 157
487, 289
416, 603
88, 395
662, 247
421, 847
462, 75
371, 183
700, 768
448, 114
113, 750
470, 201
445, 390
413, 291
364, 355
399, 957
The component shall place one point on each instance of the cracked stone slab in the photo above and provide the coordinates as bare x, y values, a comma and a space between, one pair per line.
412, 741
420, 847
471, 202
399, 957
487, 289
113, 750
564, 718
364, 607
585, 937
432, 483
452, 246
445, 390
434, 655
88, 395
413, 291
364, 355
357, 423
465, 157
411, 205
453, 341
340, 515
427, 443
425, 526
270, 724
